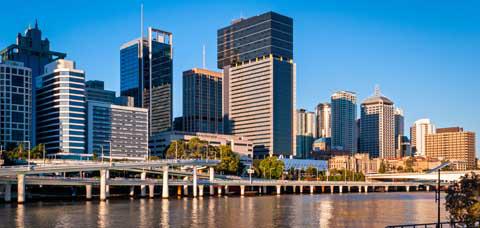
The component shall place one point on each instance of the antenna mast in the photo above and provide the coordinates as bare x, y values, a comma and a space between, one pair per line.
203, 57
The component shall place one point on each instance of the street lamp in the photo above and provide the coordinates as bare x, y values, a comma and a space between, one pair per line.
101, 146
437, 191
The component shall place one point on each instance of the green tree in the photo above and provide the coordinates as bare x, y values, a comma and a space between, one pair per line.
462, 200
37, 151
230, 162
409, 165
176, 149
196, 148
272, 167
382, 168
311, 172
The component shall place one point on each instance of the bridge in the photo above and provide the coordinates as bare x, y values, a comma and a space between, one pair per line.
446, 176
193, 180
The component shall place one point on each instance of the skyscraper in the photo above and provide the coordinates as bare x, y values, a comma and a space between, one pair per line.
305, 132
377, 126
202, 101
61, 120
324, 115
15, 103
400, 137
256, 55
34, 52
146, 60
418, 132
344, 116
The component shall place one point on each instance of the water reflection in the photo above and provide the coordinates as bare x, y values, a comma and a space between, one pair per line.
326, 210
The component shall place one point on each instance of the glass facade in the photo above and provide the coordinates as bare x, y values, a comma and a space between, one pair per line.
15, 103
95, 91
344, 115
60, 109
202, 101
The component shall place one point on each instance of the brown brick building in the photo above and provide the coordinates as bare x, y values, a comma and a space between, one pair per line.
452, 144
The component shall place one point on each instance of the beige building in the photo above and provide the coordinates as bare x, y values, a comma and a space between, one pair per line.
324, 115
359, 162
452, 144
420, 129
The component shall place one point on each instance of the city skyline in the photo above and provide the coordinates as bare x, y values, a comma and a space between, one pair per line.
401, 88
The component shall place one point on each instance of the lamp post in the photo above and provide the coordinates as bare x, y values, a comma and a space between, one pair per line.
437, 190
101, 146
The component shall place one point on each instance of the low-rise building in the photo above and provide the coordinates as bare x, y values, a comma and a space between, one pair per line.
117, 131
359, 162
240, 145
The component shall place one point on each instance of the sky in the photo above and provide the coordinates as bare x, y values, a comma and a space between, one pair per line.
423, 54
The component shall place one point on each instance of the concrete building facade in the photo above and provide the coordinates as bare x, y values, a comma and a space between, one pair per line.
452, 144
324, 124
256, 55
305, 132
418, 132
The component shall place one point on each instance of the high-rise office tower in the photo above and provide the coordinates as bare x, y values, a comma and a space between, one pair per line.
305, 132
256, 55
15, 104
344, 117
400, 132
418, 132
95, 91
324, 115
377, 126
146, 75
34, 52
61, 109
452, 144
202, 101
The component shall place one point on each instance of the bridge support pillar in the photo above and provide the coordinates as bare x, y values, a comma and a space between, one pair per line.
348, 188
331, 188
360, 189
294, 189
21, 188
211, 172
107, 187
260, 189
366, 189
408, 188
242, 190
8, 193
195, 187
143, 188
340, 189
279, 189
132, 191
165, 182
428, 188
88, 191
151, 190
179, 190
219, 190
265, 190
226, 189
312, 189
200, 190
185, 190
103, 183
323, 189
301, 189
386, 188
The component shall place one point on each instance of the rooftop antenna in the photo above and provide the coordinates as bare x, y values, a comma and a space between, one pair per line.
203, 58
36, 23
141, 21
377, 91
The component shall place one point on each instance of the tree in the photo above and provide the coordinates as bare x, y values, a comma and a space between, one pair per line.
176, 149
230, 162
462, 200
311, 172
409, 165
272, 167
382, 168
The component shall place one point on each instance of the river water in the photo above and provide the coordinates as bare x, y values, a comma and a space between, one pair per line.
324, 210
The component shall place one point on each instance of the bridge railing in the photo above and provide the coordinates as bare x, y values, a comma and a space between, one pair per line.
434, 225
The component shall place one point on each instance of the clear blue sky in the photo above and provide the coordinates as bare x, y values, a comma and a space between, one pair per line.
424, 54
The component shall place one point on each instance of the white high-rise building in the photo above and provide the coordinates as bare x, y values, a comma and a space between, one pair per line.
418, 132
324, 124
306, 129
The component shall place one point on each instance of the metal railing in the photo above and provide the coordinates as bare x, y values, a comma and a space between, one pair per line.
434, 225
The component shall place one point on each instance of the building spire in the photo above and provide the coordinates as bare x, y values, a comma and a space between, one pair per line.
377, 91
36, 23
203, 57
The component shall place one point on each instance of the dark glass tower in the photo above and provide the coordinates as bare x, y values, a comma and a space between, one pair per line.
149, 60
256, 55
34, 53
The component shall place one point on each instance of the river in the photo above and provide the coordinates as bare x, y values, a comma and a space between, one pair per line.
323, 210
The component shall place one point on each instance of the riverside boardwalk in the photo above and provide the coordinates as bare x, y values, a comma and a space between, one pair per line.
176, 179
